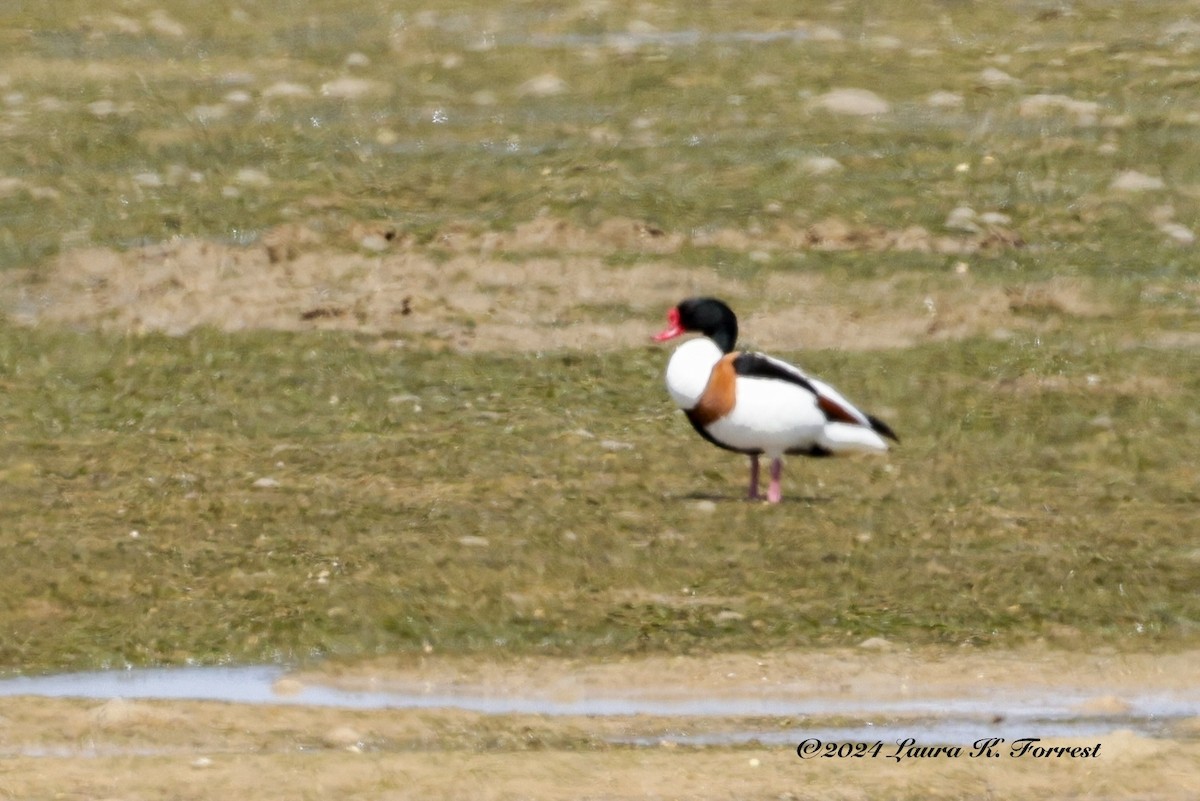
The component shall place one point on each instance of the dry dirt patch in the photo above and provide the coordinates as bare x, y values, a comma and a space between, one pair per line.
153, 749
546, 285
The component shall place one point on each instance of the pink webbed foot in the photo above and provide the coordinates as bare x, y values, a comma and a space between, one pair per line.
775, 491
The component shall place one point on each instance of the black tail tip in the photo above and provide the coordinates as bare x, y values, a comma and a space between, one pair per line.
880, 427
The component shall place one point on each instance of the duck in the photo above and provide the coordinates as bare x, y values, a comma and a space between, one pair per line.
755, 404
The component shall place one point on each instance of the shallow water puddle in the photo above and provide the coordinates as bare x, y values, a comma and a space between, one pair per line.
991, 712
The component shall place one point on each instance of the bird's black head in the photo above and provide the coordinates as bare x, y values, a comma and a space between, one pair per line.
707, 316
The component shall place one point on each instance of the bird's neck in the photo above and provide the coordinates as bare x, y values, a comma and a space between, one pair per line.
725, 337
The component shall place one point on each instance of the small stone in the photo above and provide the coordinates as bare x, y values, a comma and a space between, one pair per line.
102, 108
546, 85
875, 644
162, 23
1086, 111
44, 193
287, 687
471, 541
286, 89
945, 100
248, 176
208, 113
342, 737
376, 243
266, 483
1178, 232
853, 102
821, 165
995, 218
996, 78
353, 88
615, 445
963, 219
824, 33
1134, 181
11, 186
728, 616
148, 180
119, 23
117, 713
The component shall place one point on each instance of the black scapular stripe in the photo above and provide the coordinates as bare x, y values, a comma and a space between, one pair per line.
755, 365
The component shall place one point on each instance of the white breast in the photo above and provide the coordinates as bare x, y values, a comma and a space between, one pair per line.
689, 369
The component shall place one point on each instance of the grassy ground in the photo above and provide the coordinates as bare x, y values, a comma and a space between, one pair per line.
264, 495
125, 123
1012, 510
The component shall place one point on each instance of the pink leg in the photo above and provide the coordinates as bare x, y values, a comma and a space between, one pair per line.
774, 492
753, 495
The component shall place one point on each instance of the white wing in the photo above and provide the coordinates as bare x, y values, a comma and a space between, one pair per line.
822, 389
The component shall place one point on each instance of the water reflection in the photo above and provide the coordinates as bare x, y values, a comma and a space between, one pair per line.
990, 712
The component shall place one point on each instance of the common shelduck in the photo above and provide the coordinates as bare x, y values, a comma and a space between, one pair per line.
755, 404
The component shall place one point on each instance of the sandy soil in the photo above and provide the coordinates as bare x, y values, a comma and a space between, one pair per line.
548, 284
877, 670
143, 749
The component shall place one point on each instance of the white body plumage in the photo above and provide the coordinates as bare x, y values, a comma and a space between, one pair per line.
770, 415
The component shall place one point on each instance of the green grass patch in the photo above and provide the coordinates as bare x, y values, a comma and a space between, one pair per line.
123, 125
300, 496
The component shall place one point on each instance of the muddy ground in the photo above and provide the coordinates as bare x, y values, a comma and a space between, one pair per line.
548, 284
55, 748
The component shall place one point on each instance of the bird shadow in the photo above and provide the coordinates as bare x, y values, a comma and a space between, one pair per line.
721, 497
